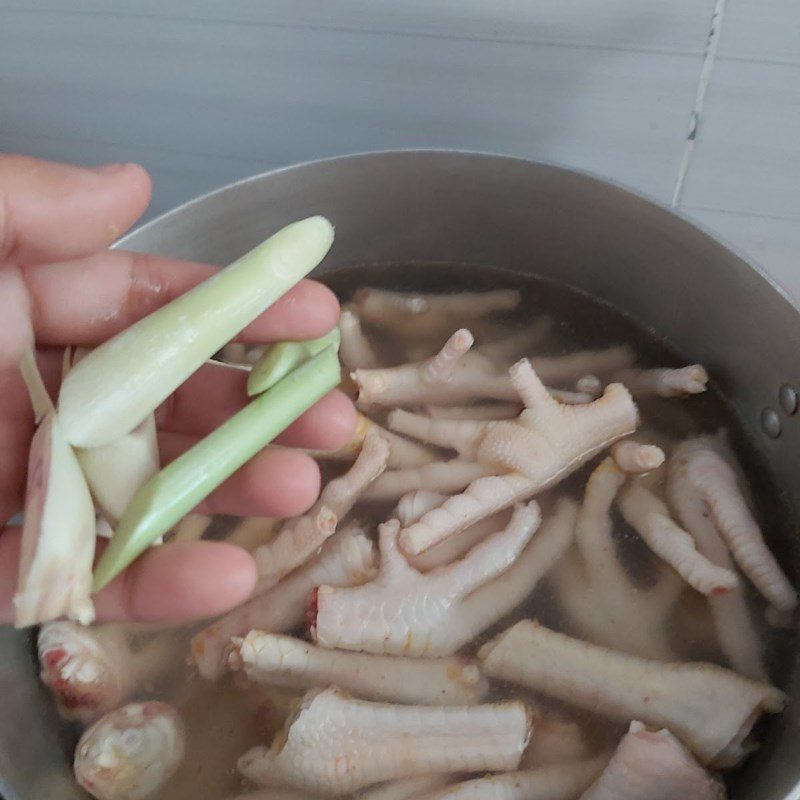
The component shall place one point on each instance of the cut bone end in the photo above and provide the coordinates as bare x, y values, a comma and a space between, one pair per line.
370, 385
635, 458
441, 366
83, 683
688, 380
349, 319
590, 384
460, 342
130, 752
375, 451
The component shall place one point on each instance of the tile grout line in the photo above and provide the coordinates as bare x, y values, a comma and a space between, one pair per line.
733, 212
709, 59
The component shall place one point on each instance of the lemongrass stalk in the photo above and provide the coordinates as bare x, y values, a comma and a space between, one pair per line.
119, 383
280, 359
181, 485
58, 535
66, 362
116, 471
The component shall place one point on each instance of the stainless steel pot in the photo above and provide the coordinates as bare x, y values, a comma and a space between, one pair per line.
486, 210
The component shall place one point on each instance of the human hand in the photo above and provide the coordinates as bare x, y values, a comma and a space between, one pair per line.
60, 286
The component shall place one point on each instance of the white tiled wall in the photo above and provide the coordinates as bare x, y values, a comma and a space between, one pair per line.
745, 177
203, 92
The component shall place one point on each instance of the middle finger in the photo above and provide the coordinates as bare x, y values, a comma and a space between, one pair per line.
215, 392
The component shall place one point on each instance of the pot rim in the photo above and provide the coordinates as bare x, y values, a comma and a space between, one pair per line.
365, 155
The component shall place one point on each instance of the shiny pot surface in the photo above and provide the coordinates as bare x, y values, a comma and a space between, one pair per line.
473, 209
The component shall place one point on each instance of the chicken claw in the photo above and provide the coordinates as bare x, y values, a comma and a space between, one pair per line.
405, 612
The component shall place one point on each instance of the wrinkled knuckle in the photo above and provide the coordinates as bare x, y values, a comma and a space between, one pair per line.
147, 287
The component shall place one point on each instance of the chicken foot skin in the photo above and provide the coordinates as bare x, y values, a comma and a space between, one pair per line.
405, 612
443, 477
733, 620
420, 316
592, 586
651, 519
405, 788
346, 559
336, 745
92, 671
705, 472
681, 382
452, 376
654, 765
284, 661
553, 782
548, 441
299, 539
129, 753
355, 349
712, 709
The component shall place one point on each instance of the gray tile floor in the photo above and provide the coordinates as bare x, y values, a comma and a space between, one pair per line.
203, 93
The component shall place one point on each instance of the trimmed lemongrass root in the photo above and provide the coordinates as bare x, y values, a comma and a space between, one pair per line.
280, 359
116, 471
117, 385
58, 535
181, 485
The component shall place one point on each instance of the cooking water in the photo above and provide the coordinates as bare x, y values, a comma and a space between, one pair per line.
226, 718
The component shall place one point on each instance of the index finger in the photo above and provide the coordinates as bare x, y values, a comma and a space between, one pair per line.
87, 301
54, 211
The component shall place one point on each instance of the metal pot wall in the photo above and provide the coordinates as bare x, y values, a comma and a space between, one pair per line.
465, 208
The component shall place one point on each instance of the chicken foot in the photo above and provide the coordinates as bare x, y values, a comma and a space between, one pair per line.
517, 344
651, 519
547, 443
712, 709
733, 621
594, 589
346, 559
91, 671
382, 742
453, 375
553, 782
355, 349
654, 765
701, 470
284, 661
403, 453
682, 382
423, 315
131, 752
442, 477
301, 538
405, 612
